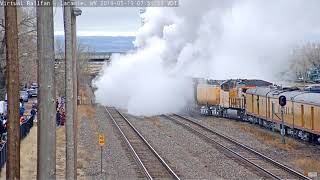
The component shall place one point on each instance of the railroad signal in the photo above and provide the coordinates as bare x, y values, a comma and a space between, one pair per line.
282, 101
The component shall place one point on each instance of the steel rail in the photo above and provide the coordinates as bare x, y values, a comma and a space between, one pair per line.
264, 157
162, 161
136, 157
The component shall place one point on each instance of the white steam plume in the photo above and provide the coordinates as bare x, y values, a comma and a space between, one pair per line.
208, 38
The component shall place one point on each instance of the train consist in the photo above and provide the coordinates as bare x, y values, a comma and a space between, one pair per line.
256, 101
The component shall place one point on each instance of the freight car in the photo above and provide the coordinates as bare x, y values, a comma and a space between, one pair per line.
301, 113
256, 101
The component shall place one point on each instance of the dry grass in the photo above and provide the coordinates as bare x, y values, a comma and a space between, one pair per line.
83, 158
304, 159
269, 137
155, 121
85, 94
308, 165
28, 152
86, 111
60, 152
28, 157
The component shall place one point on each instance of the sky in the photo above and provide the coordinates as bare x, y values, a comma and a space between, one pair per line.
102, 21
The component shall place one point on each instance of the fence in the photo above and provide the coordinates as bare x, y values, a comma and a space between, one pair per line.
24, 131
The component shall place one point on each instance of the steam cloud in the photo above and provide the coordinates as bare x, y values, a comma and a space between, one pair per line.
210, 39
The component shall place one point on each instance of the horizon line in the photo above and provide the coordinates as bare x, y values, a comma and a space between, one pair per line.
99, 33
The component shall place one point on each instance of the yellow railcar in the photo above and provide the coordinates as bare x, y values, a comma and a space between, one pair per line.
317, 119
301, 113
229, 96
234, 92
208, 94
249, 103
257, 101
308, 109
224, 98
261, 105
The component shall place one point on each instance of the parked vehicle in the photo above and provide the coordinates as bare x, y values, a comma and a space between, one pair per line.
33, 92
24, 96
34, 86
3, 107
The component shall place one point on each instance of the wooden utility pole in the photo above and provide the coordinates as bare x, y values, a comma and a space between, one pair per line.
46, 166
11, 29
70, 134
75, 12
74, 73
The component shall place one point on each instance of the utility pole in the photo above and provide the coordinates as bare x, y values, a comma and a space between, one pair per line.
46, 166
74, 73
70, 119
11, 30
75, 12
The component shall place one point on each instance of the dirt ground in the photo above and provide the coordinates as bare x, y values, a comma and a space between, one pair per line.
28, 157
28, 151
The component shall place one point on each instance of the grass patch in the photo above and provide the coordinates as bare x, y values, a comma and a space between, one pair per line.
271, 138
308, 165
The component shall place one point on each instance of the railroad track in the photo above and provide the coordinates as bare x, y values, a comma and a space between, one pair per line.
151, 163
267, 166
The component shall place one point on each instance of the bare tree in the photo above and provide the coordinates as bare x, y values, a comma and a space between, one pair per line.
311, 52
84, 53
27, 47
2, 55
304, 58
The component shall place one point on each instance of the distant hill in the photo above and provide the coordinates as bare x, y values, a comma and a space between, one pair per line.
119, 44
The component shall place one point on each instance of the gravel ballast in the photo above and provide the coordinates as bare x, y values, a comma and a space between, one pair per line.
300, 155
117, 160
189, 155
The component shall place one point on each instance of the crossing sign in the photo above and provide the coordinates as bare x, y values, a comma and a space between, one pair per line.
101, 139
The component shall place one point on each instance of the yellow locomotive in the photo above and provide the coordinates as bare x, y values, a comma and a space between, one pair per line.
219, 98
256, 101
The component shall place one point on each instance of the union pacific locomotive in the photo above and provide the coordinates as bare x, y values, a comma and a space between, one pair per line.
256, 101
